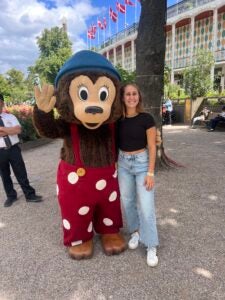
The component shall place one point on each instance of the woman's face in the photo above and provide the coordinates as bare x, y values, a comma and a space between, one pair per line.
131, 96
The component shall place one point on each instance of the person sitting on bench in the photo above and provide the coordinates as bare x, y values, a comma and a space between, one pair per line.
203, 116
214, 122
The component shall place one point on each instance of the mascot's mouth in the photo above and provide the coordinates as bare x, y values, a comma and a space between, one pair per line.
91, 124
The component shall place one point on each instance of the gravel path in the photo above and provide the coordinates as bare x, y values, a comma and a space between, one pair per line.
190, 204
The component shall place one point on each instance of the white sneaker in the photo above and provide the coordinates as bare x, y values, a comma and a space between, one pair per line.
152, 259
134, 241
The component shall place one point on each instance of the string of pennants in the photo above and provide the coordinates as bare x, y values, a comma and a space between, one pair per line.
113, 15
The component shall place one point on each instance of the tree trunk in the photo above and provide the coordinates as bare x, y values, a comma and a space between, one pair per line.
150, 59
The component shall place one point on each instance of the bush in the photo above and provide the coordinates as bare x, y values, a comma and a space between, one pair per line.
174, 91
24, 114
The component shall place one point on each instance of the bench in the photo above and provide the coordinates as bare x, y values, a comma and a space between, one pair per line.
212, 116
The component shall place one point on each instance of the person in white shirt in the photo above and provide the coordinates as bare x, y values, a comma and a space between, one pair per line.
169, 109
10, 155
220, 118
204, 115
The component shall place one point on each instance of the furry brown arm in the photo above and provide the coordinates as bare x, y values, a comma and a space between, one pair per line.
48, 126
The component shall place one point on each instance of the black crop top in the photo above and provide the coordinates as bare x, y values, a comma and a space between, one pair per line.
131, 132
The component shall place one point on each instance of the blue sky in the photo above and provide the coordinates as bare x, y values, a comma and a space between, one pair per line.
22, 21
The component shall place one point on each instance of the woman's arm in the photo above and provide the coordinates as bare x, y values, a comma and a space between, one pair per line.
151, 140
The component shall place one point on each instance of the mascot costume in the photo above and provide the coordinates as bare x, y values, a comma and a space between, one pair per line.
86, 97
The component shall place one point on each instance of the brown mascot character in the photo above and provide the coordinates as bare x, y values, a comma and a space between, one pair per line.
86, 97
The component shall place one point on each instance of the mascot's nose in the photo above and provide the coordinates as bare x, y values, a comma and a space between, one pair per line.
94, 110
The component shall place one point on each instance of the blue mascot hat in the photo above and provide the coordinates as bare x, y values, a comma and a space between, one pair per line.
87, 60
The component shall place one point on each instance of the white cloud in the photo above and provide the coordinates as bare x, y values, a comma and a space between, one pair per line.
22, 21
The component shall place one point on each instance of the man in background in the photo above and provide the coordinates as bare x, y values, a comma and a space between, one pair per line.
214, 122
169, 109
10, 154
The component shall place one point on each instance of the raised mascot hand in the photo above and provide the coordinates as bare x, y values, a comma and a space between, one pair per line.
44, 98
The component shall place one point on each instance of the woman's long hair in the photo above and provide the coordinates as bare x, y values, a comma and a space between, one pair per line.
139, 107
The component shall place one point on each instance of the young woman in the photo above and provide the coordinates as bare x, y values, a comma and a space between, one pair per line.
136, 164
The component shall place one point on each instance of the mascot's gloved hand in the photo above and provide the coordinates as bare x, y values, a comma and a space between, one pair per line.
44, 98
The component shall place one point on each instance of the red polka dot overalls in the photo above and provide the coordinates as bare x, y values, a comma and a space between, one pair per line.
88, 197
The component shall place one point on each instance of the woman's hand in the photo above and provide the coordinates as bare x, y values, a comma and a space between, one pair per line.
149, 182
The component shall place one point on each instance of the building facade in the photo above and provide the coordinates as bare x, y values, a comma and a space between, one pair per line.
191, 25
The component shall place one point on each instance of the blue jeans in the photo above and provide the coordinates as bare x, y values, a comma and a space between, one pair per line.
138, 203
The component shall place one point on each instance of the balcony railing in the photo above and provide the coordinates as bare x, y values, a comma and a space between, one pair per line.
184, 62
220, 55
118, 36
181, 62
185, 6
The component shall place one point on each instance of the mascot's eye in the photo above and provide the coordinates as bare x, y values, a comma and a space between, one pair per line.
103, 93
83, 93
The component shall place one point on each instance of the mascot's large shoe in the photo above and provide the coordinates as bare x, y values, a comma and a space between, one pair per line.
82, 251
113, 243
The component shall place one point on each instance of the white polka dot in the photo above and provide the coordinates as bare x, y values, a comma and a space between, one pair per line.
83, 210
115, 174
113, 196
76, 243
66, 224
100, 185
90, 227
107, 222
57, 189
73, 177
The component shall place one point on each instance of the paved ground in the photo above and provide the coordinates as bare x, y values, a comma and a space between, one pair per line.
191, 222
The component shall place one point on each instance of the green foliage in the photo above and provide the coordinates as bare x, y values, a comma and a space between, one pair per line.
55, 48
15, 78
174, 91
48, 67
4, 86
197, 78
13, 86
167, 74
52, 41
126, 76
222, 93
212, 93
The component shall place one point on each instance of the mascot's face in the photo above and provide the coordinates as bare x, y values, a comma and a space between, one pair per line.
92, 102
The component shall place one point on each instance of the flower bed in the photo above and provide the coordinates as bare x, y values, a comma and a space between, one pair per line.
24, 114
